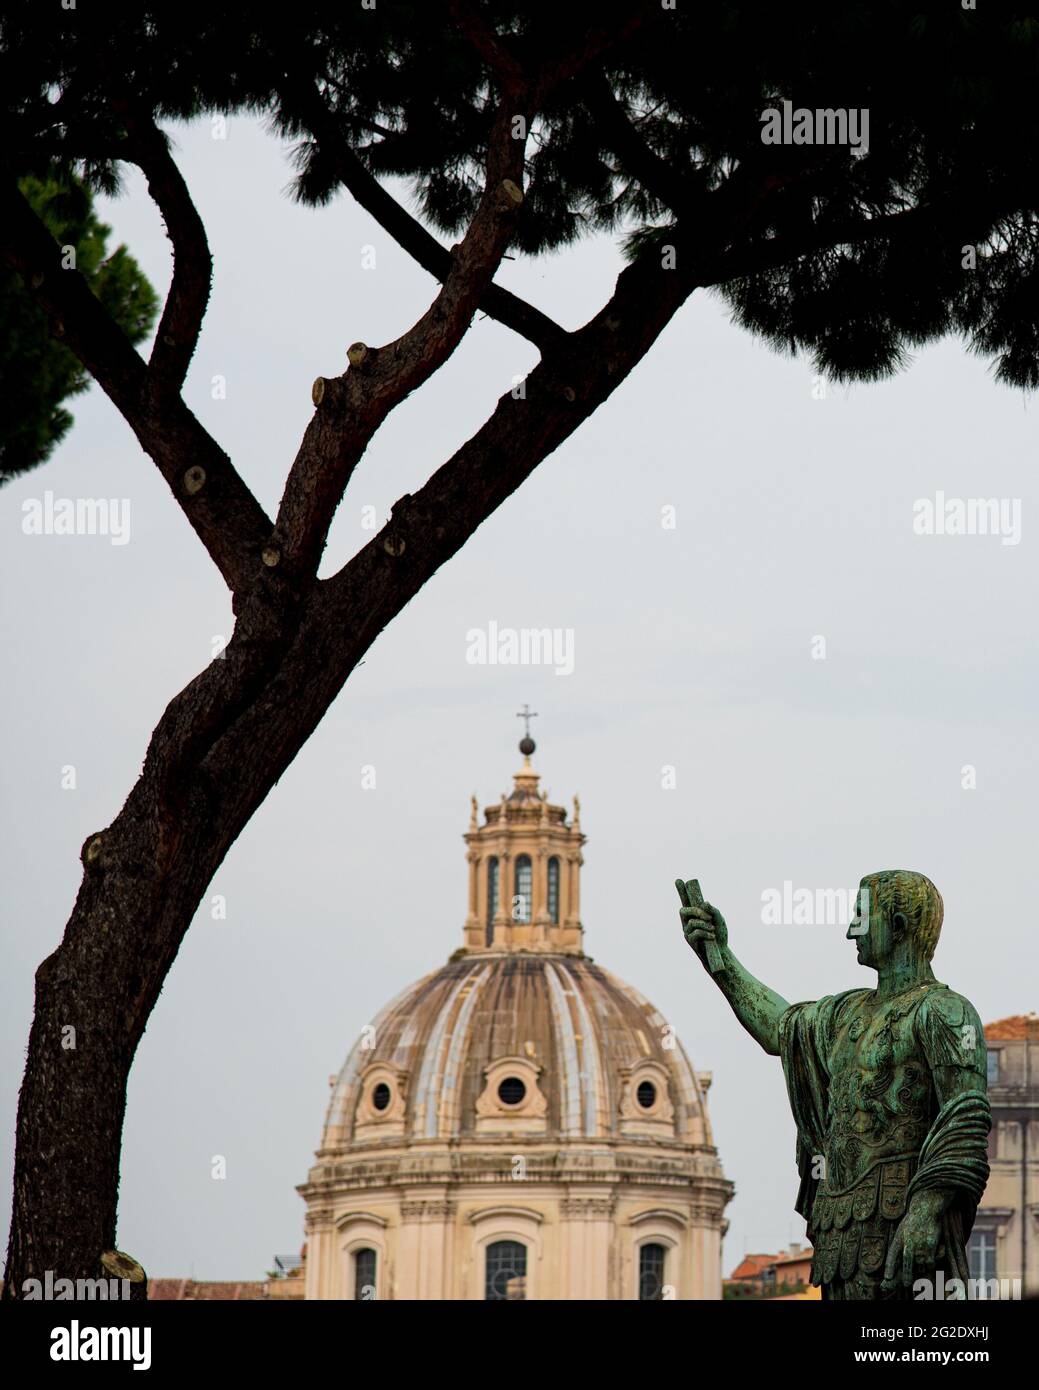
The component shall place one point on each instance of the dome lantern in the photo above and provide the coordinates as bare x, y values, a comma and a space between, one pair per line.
524, 870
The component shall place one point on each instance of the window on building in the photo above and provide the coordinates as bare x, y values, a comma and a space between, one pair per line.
651, 1273
646, 1095
553, 890
506, 1271
981, 1253
511, 1091
993, 1066
524, 888
364, 1274
492, 897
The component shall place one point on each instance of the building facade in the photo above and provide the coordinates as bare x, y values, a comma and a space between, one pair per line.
1005, 1241
519, 1124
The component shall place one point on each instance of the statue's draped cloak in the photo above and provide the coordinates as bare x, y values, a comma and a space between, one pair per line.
954, 1153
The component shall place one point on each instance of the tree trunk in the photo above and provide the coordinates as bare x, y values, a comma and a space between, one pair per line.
220, 747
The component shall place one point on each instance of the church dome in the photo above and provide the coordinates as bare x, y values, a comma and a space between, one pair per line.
549, 1038
519, 1123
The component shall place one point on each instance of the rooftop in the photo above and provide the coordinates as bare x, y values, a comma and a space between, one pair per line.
1016, 1028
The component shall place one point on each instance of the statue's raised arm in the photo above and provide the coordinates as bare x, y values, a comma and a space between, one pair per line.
756, 1006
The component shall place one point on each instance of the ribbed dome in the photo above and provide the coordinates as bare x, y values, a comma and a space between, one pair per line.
602, 1058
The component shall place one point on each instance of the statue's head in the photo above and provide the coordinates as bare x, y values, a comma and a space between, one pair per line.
898, 911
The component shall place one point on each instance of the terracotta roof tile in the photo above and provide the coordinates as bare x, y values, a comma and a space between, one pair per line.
1015, 1028
751, 1265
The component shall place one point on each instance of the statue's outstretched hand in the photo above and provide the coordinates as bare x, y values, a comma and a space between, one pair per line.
701, 924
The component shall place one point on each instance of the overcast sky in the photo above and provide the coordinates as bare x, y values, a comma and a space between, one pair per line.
693, 649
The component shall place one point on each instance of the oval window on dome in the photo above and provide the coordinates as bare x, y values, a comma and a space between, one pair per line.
511, 1091
646, 1095
381, 1096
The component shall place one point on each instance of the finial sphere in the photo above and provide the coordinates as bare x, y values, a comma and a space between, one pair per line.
527, 746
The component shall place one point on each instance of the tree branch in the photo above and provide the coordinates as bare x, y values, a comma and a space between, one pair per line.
507, 308
564, 389
656, 176
227, 518
983, 207
490, 46
594, 44
426, 529
350, 408
188, 296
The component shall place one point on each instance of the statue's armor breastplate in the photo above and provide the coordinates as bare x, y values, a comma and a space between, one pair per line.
881, 1099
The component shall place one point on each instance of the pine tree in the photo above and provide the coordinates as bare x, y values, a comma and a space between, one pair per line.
37, 372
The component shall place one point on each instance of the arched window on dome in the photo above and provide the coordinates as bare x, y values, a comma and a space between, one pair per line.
524, 889
553, 890
364, 1274
652, 1258
492, 897
505, 1275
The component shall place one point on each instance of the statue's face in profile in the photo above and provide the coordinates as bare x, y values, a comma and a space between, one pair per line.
869, 929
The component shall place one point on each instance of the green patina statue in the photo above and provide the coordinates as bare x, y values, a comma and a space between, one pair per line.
888, 1092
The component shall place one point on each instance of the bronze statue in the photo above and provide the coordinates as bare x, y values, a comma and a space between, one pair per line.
888, 1092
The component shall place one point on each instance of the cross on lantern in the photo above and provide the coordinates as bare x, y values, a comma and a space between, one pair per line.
527, 714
